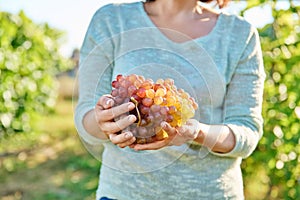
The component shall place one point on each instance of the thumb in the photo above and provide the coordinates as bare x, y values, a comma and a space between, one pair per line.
168, 128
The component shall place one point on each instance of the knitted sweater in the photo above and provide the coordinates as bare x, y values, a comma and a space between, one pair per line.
223, 71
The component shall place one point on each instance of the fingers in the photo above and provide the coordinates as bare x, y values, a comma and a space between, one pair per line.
182, 130
111, 113
167, 127
122, 140
189, 130
151, 146
113, 127
105, 101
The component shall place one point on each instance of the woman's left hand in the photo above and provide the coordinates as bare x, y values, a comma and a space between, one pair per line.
176, 136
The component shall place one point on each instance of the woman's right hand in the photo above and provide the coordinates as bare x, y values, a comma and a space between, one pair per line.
106, 115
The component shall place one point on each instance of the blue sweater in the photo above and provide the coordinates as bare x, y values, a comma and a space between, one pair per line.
223, 71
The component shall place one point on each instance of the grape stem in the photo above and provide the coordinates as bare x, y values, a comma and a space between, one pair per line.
137, 110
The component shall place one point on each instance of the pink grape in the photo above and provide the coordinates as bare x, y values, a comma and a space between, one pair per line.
114, 92
131, 90
141, 92
147, 102
144, 109
122, 92
155, 108
164, 110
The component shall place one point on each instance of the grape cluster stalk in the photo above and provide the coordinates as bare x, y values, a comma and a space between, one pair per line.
155, 102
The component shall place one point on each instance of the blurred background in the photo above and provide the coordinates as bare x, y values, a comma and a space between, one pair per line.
41, 156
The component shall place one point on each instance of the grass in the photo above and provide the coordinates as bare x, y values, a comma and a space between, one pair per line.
48, 163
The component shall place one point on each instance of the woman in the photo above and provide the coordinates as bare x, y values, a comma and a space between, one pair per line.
216, 54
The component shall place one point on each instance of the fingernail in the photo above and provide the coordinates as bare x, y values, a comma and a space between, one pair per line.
131, 105
132, 118
108, 102
128, 135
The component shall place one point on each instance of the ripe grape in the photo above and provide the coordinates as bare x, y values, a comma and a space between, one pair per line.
123, 92
147, 102
115, 84
157, 86
164, 110
172, 110
147, 85
160, 92
131, 90
119, 77
114, 92
158, 100
141, 92
144, 109
169, 118
150, 93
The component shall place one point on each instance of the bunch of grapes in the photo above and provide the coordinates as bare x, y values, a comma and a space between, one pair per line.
155, 102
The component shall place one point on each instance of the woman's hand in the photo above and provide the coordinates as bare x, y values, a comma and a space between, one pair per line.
177, 136
106, 115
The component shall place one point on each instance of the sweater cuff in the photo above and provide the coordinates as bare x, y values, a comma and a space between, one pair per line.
243, 147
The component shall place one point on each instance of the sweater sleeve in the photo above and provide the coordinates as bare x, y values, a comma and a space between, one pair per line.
95, 71
243, 100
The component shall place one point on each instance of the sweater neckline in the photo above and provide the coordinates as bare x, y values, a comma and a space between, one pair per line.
164, 37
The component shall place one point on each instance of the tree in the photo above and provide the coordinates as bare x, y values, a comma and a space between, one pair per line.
29, 61
279, 149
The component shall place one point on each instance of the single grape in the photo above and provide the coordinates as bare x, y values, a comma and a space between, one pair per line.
147, 102
172, 109
137, 83
160, 92
131, 90
125, 83
136, 97
141, 79
169, 81
147, 85
119, 77
132, 78
149, 118
150, 93
170, 93
123, 92
171, 100
155, 108
164, 110
142, 132
114, 92
144, 109
115, 84
143, 122
157, 115
141, 92
169, 118
185, 95
158, 100
157, 86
